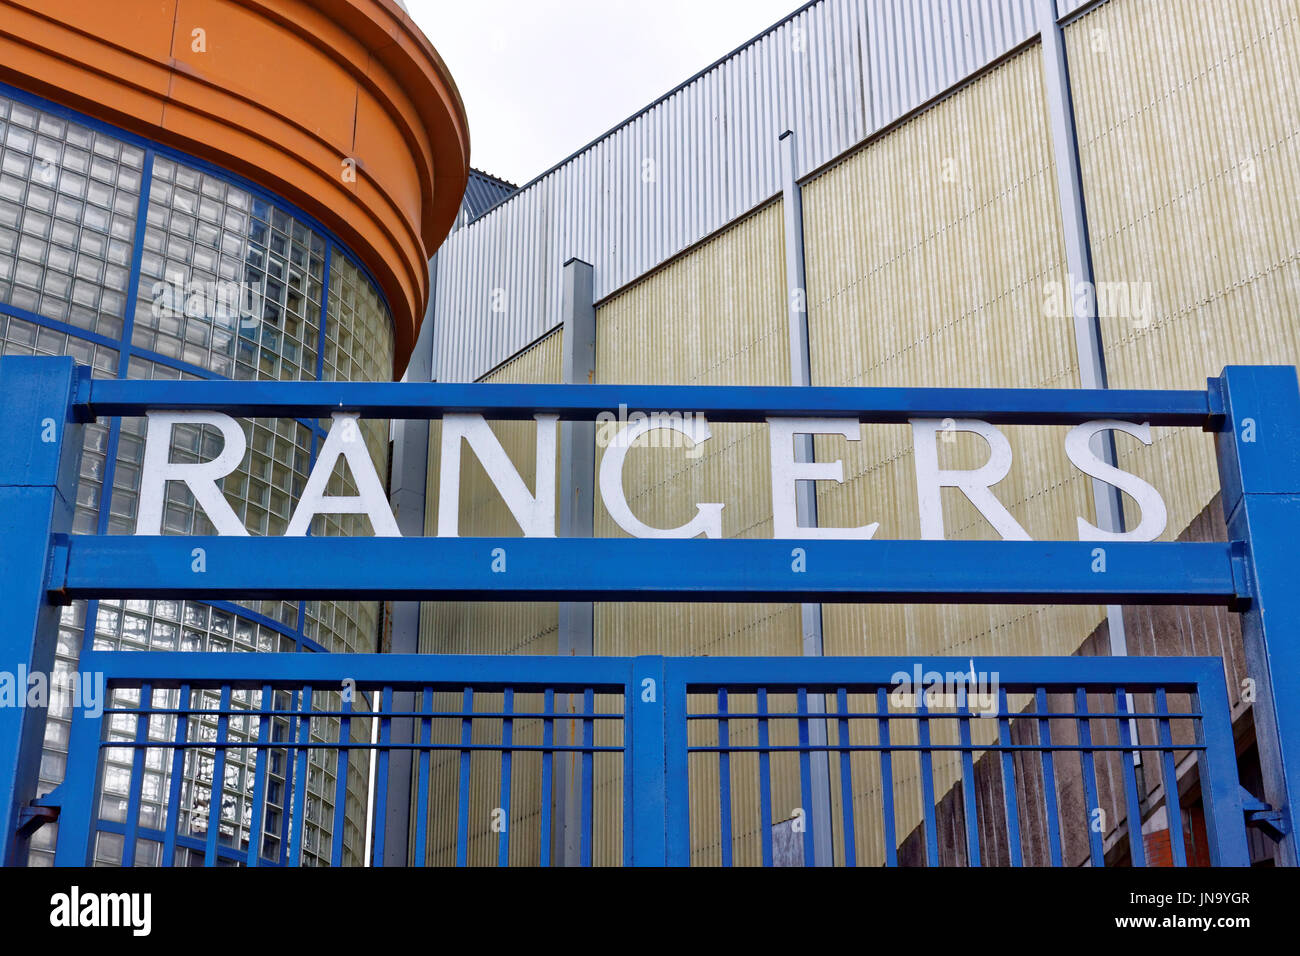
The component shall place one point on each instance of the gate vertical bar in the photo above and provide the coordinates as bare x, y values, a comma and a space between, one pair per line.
39, 461
1258, 445
1225, 820
645, 782
819, 812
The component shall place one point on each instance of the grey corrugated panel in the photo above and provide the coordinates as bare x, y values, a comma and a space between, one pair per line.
1066, 7
864, 63
482, 192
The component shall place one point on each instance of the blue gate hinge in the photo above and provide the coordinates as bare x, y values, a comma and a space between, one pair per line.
1262, 816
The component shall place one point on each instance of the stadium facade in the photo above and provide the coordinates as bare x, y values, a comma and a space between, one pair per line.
1029, 193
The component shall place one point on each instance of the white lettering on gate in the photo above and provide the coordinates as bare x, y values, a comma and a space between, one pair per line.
535, 512
708, 517
786, 473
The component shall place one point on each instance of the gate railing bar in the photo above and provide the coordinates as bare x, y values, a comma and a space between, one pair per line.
1088, 770
217, 790
99, 398
254, 855
846, 777
968, 786
301, 737
1132, 802
887, 779
1051, 797
927, 782
136, 786
462, 811
1169, 772
422, 779
631, 569
764, 774
177, 779
1010, 804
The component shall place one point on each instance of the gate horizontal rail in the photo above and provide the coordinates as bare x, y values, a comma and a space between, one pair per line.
724, 403
624, 569
696, 752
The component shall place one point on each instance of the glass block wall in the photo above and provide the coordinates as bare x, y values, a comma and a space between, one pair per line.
142, 263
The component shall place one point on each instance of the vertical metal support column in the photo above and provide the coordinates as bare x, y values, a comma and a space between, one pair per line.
645, 788
1258, 448
407, 494
1107, 499
819, 814
576, 489
39, 461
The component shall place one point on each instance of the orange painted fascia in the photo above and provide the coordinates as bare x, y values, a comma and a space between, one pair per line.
285, 93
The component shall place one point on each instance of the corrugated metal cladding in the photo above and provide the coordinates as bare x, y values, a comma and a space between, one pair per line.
1066, 7
482, 192
1188, 119
478, 627
713, 317
704, 155
928, 254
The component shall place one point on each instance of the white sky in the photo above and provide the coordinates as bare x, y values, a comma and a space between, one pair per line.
542, 78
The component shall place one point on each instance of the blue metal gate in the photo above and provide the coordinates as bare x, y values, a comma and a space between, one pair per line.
663, 726
644, 728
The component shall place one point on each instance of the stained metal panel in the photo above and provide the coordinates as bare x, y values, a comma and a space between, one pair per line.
1191, 169
835, 72
928, 254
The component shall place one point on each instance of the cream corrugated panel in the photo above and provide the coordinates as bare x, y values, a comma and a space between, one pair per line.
930, 253
1188, 119
715, 316
490, 628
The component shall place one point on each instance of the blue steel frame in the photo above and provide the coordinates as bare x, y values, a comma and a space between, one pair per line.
1252, 411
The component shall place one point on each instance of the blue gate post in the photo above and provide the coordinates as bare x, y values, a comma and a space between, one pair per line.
39, 459
646, 785
1259, 472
